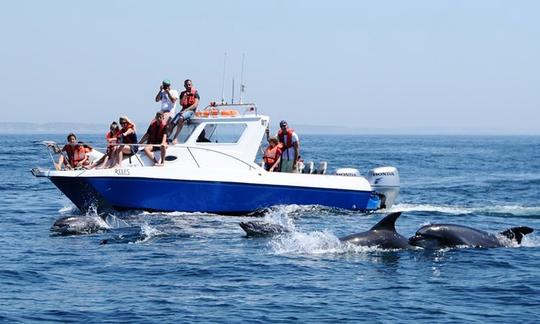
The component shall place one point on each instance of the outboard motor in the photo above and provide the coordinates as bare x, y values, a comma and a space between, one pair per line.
385, 182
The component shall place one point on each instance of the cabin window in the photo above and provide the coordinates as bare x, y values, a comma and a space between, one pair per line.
221, 133
185, 133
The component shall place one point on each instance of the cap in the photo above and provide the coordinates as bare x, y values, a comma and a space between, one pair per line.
283, 123
167, 82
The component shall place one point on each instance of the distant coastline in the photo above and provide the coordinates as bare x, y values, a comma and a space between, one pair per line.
88, 128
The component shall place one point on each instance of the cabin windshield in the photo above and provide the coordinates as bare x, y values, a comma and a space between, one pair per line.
224, 133
186, 132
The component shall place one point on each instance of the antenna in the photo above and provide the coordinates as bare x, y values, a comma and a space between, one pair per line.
232, 98
223, 79
242, 86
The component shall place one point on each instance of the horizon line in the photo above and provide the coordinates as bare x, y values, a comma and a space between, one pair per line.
53, 128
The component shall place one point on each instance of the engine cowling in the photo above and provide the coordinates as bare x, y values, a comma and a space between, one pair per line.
385, 182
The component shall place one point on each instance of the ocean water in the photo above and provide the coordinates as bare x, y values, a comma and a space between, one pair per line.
189, 267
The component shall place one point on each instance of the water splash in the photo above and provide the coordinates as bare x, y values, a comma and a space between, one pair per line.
318, 242
147, 233
280, 216
115, 222
68, 210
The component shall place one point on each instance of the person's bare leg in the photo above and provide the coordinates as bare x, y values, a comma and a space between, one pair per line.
120, 157
170, 126
178, 129
148, 150
163, 152
112, 160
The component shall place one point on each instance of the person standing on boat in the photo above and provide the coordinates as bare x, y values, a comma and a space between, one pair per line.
272, 155
290, 147
168, 98
189, 100
76, 154
156, 135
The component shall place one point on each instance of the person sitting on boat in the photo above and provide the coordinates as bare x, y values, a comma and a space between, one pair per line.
290, 147
272, 155
112, 138
156, 135
127, 136
168, 98
76, 154
189, 100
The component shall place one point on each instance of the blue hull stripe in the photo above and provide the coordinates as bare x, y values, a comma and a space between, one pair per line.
80, 193
217, 197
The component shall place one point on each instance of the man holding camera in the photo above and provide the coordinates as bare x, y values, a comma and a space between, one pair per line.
168, 98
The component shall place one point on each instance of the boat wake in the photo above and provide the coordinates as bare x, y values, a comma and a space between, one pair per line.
496, 210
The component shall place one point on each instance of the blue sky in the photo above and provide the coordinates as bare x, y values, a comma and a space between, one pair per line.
451, 65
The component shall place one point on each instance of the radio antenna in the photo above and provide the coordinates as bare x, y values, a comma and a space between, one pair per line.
232, 98
223, 79
242, 86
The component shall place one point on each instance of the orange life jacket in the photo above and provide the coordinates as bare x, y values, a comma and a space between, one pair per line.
271, 154
75, 153
281, 136
188, 98
112, 139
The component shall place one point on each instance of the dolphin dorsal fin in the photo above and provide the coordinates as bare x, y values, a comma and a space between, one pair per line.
387, 223
517, 233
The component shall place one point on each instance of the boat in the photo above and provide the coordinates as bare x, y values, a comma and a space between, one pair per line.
213, 169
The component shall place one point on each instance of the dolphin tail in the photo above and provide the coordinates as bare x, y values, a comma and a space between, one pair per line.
387, 223
517, 233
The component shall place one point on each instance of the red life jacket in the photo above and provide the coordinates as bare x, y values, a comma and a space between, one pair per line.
188, 98
75, 153
155, 132
112, 139
271, 154
281, 136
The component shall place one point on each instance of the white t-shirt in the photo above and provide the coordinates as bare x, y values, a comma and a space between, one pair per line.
288, 154
166, 104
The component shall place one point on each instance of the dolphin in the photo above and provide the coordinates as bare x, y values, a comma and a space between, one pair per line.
382, 235
262, 229
437, 236
75, 225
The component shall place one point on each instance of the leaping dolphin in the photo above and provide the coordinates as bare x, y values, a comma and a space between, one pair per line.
75, 225
437, 236
383, 235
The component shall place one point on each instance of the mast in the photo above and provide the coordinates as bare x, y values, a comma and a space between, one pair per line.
242, 86
232, 98
223, 79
